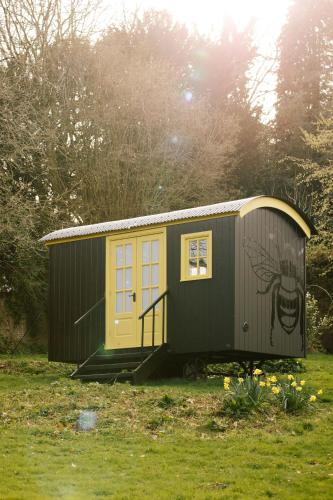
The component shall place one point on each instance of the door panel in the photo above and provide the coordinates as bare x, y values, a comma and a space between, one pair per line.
122, 308
151, 283
135, 278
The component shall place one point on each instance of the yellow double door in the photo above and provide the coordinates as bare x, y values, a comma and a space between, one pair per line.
135, 277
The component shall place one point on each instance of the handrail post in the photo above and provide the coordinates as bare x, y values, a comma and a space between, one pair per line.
77, 346
142, 331
153, 332
163, 319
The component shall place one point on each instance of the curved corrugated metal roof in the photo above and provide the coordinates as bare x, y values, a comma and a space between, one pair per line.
229, 207
147, 220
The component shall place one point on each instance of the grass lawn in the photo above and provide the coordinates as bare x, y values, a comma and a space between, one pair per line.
161, 440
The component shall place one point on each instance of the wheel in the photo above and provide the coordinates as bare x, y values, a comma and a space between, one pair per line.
194, 368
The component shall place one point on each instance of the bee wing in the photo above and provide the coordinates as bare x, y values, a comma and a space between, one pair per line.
263, 265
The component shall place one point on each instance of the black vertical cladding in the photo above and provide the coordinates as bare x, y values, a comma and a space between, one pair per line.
77, 282
200, 312
266, 241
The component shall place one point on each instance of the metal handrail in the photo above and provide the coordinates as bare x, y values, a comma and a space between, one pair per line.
79, 321
146, 311
88, 312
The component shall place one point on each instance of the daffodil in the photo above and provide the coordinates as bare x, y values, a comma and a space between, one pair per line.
257, 372
313, 398
293, 384
227, 380
276, 390
262, 384
273, 379
299, 388
290, 377
320, 392
240, 380
302, 382
268, 384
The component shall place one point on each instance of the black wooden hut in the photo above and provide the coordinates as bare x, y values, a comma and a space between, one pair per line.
152, 294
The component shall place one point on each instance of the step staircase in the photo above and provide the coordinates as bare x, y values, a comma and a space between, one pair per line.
134, 365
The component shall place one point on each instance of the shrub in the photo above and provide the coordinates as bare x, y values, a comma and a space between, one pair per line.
316, 324
290, 365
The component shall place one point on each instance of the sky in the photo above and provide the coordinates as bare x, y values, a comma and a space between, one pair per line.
208, 15
207, 18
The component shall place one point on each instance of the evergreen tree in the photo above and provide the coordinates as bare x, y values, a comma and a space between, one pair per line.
315, 180
305, 73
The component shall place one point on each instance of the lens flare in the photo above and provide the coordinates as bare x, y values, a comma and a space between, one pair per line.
86, 421
188, 96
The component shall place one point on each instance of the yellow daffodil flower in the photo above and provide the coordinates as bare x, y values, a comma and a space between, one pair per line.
257, 372
290, 377
227, 380
313, 399
276, 390
273, 379
293, 384
302, 382
299, 388
268, 384
262, 384
320, 392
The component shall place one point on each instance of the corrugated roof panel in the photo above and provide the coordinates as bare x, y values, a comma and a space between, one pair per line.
147, 220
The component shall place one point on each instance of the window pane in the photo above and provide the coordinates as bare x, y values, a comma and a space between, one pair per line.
192, 270
203, 247
202, 266
145, 299
119, 279
155, 251
146, 252
128, 302
145, 275
193, 248
119, 255
154, 274
128, 254
119, 302
128, 278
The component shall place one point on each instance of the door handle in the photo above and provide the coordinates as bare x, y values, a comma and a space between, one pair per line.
133, 295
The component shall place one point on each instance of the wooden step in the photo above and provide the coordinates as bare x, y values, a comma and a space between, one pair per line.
102, 376
135, 365
127, 350
119, 357
111, 367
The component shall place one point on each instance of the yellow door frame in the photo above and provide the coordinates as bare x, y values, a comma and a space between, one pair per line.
108, 269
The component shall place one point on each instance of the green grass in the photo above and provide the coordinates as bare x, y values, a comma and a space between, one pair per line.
162, 440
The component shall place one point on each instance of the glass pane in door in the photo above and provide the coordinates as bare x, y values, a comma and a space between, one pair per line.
150, 272
124, 278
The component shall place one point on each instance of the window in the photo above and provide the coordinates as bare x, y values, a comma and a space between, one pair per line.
196, 256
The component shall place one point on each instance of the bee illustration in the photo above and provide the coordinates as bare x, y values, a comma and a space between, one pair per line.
287, 304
